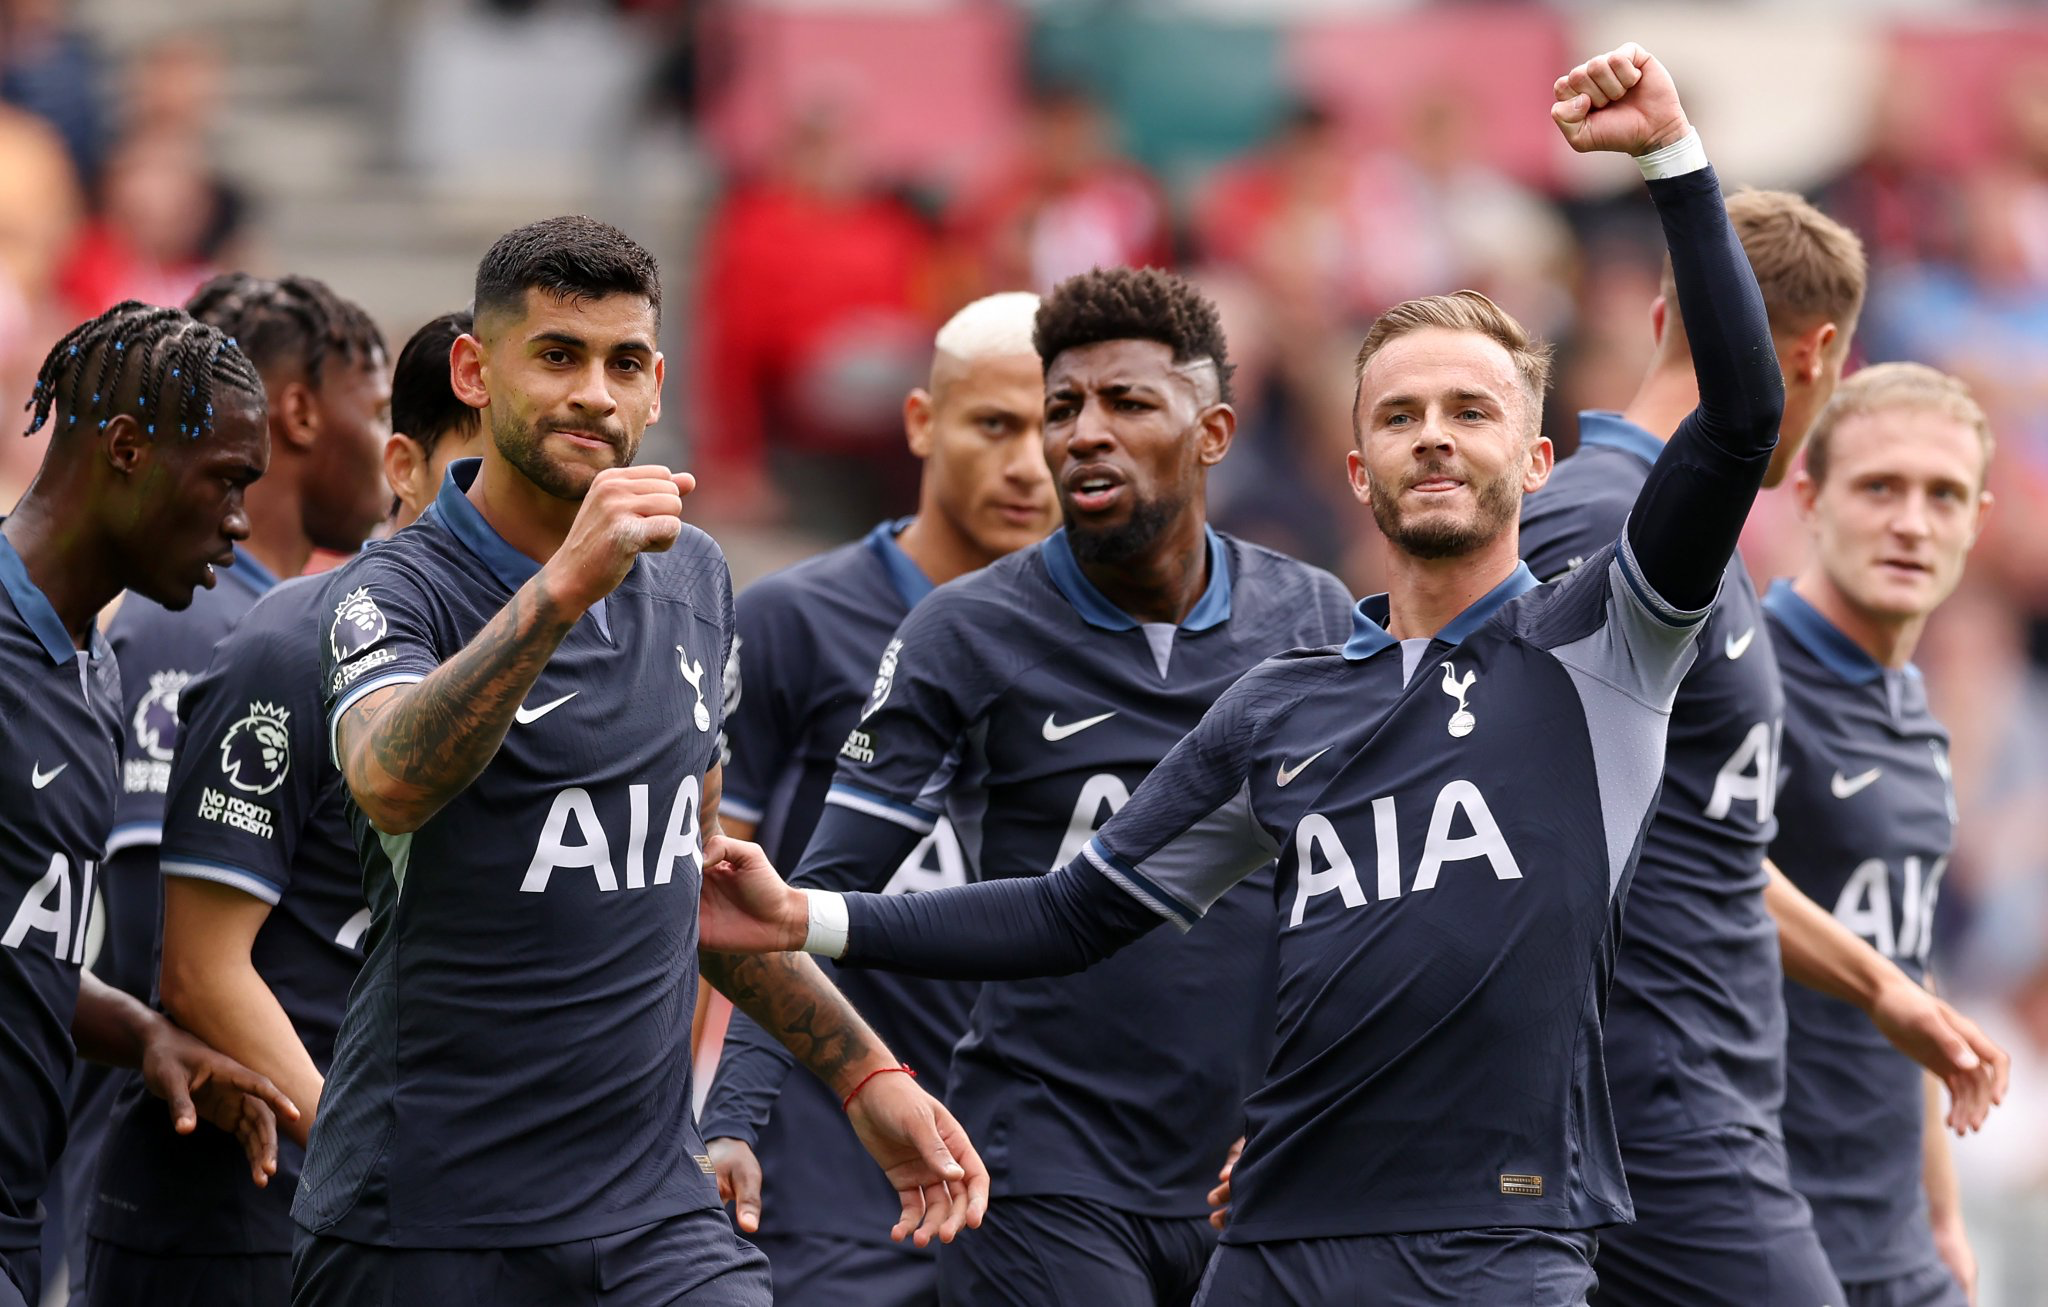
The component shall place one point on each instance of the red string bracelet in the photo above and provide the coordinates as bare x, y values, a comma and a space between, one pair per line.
846, 1104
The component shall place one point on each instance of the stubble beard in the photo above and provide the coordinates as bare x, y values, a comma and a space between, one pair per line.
1497, 503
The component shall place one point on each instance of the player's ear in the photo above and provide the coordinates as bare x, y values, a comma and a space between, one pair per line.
919, 416
404, 462
294, 416
660, 371
1805, 491
467, 374
1809, 353
127, 447
1361, 476
1214, 431
1659, 308
1983, 515
1542, 457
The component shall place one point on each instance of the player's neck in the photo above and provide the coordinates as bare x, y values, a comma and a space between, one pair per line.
1667, 394
277, 525
1424, 595
940, 550
528, 518
1166, 583
74, 568
1889, 640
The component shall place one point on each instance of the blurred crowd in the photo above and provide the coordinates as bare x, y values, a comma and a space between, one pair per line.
819, 269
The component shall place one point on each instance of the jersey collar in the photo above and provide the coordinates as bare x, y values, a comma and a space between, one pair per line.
1820, 637
35, 608
906, 578
1610, 430
512, 568
1095, 608
1369, 619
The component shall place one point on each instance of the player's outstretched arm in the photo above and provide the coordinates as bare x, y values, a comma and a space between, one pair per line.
406, 750
1823, 954
192, 1079
1686, 520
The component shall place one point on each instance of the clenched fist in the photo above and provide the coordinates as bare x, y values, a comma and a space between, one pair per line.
628, 511
1622, 101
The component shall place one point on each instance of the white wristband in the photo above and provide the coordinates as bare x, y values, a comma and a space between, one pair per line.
826, 932
1682, 156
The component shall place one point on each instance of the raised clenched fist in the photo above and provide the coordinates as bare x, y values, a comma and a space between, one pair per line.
1622, 101
628, 511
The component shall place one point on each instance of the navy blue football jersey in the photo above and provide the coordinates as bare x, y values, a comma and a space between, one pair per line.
1865, 828
1695, 1028
1446, 910
254, 805
1024, 706
513, 1064
160, 652
809, 639
60, 760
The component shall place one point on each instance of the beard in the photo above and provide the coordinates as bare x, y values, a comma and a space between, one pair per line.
1497, 502
1120, 544
521, 444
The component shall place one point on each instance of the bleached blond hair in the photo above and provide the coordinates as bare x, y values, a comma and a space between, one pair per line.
994, 326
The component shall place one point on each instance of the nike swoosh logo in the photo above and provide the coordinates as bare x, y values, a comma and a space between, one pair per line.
1738, 645
1055, 732
1845, 786
526, 716
1287, 774
39, 778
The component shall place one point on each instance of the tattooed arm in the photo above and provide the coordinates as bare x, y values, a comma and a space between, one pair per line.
405, 750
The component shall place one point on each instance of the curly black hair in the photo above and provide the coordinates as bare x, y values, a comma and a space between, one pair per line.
157, 365
1133, 304
298, 320
574, 257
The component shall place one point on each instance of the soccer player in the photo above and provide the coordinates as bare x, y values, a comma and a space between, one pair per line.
156, 430
263, 909
1455, 795
523, 693
809, 639
1695, 1032
327, 391
1026, 702
1893, 497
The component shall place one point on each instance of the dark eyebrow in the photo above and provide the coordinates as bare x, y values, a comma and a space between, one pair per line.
631, 345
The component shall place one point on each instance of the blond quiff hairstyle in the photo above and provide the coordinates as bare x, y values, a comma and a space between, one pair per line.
1464, 310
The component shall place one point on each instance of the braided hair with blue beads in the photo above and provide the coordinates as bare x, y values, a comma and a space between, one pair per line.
158, 365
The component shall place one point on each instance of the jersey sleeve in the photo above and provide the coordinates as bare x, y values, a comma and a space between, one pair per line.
767, 687
250, 772
159, 654
935, 680
378, 632
1188, 833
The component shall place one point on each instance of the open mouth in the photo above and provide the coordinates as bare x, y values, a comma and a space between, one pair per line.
1904, 567
1094, 489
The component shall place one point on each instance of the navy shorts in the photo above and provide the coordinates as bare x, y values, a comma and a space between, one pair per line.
1039, 1251
21, 1277
1539, 1268
694, 1260
121, 1277
1929, 1286
828, 1270
1718, 1224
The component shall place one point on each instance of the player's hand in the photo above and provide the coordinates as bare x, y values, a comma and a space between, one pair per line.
745, 906
933, 1167
628, 511
1624, 101
1963, 1057
1219, 1197
195, 1081
739, 1180
1953, 1243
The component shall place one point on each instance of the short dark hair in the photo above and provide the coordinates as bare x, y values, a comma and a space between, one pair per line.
291, 320
424, 405
1133, 304
573, 257
176, 363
